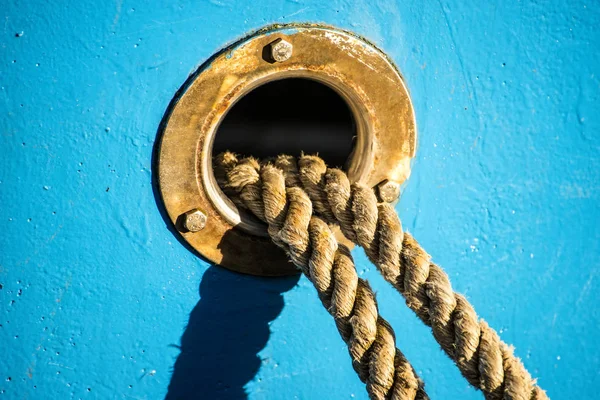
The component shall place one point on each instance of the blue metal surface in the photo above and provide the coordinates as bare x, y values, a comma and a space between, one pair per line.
98, 299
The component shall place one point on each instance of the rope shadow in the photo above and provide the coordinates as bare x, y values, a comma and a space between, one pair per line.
227, 329
229, 326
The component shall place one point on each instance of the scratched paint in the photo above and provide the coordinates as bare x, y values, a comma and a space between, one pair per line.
98, 299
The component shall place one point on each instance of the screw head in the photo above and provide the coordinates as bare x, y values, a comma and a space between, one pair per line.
194, 220
280, 50
388, 191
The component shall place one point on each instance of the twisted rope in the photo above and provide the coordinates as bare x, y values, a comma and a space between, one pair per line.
312, 247
484, 360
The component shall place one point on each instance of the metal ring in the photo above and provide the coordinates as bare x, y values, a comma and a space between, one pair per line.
360, 73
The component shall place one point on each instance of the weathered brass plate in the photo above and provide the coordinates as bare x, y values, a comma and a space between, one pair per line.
359, 72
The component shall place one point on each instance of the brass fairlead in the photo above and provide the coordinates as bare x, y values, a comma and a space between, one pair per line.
359, 72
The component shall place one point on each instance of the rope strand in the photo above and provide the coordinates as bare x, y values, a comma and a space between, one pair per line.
484, 360
312, 247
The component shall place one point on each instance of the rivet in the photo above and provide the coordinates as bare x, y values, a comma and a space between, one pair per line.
280, 50
388, 191
194, 220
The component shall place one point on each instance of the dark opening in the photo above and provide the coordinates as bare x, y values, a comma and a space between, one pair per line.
289, 116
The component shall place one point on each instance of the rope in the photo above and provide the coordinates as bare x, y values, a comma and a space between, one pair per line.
312, 247
484, 360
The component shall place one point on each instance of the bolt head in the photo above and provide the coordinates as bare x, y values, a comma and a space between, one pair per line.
281, 50
388, 191
194, 220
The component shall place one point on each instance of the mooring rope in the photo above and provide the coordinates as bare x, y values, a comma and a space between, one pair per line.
312, 247
280, 192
